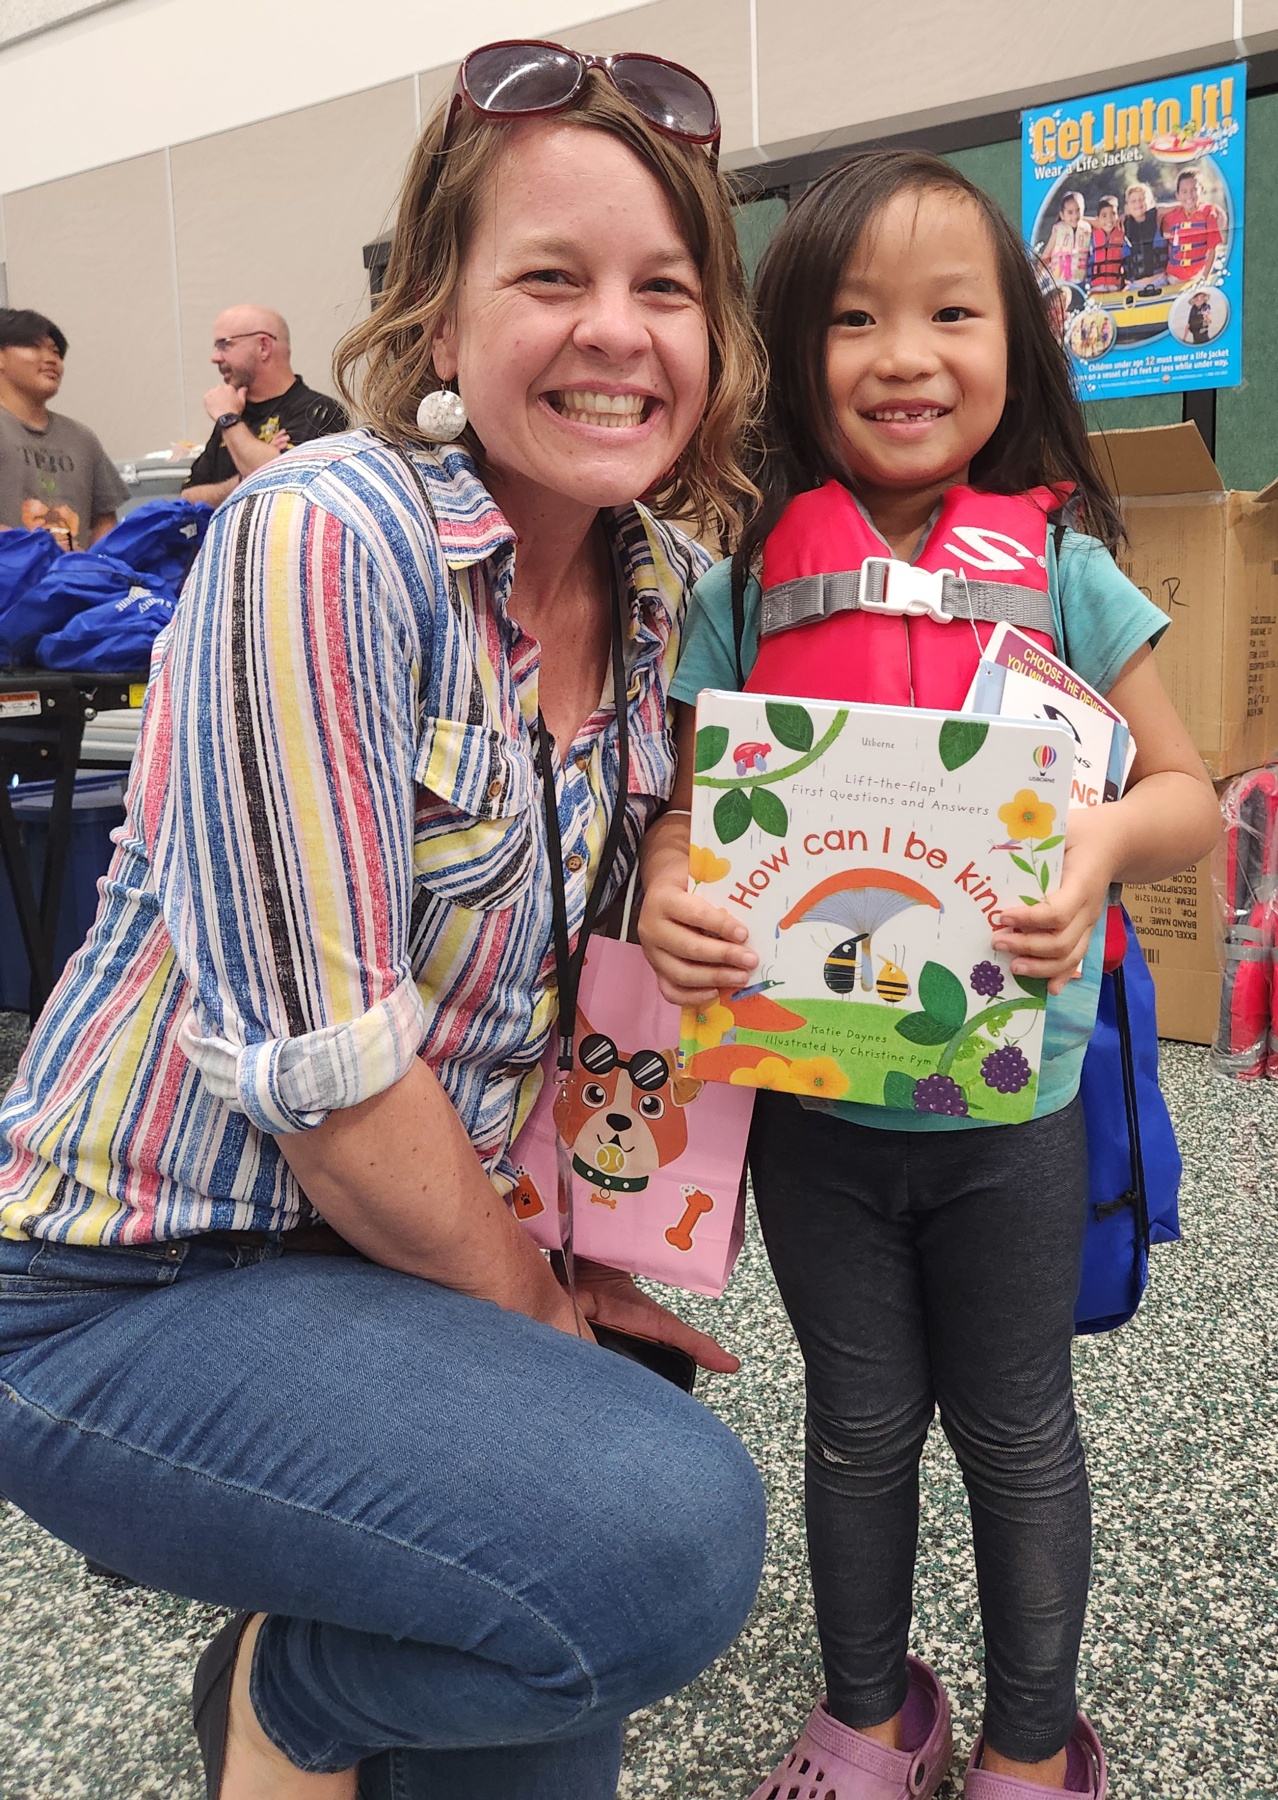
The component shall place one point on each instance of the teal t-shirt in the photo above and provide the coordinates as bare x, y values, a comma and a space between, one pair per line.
1104, 620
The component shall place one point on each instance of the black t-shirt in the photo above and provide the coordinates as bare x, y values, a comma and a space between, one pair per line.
299, 410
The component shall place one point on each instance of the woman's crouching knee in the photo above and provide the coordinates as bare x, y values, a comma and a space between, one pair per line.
684, 1558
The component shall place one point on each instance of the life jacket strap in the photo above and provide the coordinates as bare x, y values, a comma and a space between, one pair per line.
896, 588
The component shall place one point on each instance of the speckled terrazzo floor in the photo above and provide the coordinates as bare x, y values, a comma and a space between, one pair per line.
1180, 1662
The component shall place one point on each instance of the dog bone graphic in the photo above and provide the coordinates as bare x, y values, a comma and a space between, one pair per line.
680, 1235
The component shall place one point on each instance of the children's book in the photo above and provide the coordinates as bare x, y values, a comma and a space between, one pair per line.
868, 849
1018, 679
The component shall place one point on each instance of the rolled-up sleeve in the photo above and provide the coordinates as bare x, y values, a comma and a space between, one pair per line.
281, 835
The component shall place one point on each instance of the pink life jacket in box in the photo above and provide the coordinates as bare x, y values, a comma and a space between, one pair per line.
841, 619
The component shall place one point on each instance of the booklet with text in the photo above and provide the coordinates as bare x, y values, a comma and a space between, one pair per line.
1019, 679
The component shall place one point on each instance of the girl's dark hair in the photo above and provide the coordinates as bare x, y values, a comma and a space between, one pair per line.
1041, 438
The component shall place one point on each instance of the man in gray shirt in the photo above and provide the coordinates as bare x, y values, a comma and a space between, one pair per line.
53, 471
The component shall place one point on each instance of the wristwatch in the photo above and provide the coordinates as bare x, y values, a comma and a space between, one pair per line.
224, 421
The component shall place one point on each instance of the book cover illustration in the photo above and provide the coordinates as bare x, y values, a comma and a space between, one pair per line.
867, 849
1019, 679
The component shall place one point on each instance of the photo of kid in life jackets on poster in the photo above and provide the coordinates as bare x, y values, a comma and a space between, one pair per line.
1132, 202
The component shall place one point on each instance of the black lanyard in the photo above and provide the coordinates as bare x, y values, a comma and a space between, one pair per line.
568, 966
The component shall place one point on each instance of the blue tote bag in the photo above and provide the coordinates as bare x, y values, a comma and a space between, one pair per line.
78, 580
113, 639
1133, 1165
25, 559
160, 539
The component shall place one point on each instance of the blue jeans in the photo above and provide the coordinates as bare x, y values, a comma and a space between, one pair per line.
481, 1543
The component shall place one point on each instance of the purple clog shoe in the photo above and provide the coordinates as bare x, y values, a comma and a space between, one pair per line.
1085, 1771
833, 1762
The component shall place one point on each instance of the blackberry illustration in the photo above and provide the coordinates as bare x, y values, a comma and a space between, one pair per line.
940, 1094
1005, 1070
987, 980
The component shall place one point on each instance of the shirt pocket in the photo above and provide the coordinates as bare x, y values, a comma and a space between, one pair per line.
652, 766
473, 840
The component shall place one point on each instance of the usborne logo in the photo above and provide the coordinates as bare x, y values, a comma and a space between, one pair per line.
1044, 756
980, 548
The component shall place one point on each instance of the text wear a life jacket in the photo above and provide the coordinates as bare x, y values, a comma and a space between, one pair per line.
824, 632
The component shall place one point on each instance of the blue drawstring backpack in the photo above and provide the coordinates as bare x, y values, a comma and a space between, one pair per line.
76, 581
159, 538
1133, 1165
25, 557
115, 639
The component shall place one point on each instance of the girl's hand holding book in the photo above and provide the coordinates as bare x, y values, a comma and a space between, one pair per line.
1050, 940
695, 949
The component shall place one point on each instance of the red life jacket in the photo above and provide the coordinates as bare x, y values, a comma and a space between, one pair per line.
1107, 259
841, 619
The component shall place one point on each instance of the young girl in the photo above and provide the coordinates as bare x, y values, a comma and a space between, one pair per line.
928, 1260
1069, 247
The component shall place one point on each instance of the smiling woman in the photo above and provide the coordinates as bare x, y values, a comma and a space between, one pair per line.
395, 350
251, 1171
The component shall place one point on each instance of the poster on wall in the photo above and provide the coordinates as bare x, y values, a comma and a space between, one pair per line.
1133, 202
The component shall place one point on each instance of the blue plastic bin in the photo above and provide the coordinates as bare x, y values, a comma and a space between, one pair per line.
97, 808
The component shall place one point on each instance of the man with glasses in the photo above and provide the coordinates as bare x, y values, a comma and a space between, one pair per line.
259, 407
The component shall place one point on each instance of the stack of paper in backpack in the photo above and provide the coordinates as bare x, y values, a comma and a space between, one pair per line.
1018, 679
868, 849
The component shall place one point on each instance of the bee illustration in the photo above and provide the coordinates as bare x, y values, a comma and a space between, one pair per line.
893, 983
841, 965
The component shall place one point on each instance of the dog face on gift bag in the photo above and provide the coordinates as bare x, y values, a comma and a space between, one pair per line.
622, 1116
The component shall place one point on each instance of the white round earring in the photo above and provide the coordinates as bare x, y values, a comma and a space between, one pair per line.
441, 415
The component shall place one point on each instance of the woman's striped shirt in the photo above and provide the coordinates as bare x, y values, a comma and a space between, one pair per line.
333, 857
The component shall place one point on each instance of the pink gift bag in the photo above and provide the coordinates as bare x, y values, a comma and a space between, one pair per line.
658, 1157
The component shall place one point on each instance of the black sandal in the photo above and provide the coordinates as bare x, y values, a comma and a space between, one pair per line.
211, 1698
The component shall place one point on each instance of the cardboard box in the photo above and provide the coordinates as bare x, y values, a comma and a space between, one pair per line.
1176, 923
1209, 557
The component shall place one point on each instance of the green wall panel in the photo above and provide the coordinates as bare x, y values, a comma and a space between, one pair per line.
1128, 415
756, 220
997, 169
1247, 416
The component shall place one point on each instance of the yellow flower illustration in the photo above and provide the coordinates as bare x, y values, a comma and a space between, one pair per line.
709, 1024
773, 1072
819, 1076
704, 865
1027, 816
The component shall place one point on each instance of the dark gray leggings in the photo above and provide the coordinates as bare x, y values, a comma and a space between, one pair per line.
924, 1270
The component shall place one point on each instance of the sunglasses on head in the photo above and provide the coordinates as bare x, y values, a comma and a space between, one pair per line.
521, 77
647, 1069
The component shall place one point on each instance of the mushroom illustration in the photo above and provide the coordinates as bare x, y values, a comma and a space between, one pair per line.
752, 759
860, 901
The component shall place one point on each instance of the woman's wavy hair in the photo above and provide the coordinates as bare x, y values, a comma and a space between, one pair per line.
383, 365
1041, 438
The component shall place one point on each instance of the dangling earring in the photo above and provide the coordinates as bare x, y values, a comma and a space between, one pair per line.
441, 415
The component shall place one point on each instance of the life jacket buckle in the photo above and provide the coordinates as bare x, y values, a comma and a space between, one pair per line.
890, 586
